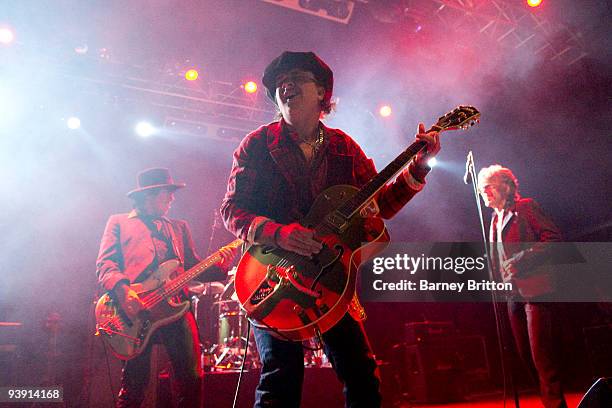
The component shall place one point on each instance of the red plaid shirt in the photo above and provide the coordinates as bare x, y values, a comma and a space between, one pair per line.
271, 178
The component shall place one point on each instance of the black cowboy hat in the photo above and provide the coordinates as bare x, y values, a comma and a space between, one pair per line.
150, 179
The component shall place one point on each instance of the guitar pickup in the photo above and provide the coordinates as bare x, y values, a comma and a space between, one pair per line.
337, 221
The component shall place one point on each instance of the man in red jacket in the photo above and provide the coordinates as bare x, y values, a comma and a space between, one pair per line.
133, 246
522, 233
278, 171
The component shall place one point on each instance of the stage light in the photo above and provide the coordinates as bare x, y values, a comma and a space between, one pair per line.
191, 75
73, 123
385, 111
534, 3
6, 35
335, 10
432, 162
104, 53
250, 87
145, 129
81, 49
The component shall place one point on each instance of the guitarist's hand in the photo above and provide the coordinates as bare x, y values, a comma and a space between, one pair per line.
509, 267
295, 238
432, 140
129, 301
227, 257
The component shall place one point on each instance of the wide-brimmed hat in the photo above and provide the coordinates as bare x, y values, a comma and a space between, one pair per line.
150, 179
308, 61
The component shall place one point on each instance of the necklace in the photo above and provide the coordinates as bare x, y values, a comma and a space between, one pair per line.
316, 143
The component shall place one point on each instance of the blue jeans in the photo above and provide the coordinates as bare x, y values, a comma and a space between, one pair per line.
347, 348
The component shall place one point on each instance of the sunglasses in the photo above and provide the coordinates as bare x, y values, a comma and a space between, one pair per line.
295, 77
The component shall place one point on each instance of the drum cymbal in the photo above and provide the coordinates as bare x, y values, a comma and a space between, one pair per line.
210, 288
226, 302
215, 288
197, 288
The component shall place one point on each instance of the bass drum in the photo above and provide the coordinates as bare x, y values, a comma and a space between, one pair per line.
232, 324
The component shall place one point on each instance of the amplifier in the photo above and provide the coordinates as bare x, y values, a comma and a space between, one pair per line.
10, 334
418, 332
442, 370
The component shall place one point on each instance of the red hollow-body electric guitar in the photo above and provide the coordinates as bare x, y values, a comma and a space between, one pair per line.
297, 297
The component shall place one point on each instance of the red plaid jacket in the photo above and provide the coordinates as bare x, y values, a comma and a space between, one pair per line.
271, 178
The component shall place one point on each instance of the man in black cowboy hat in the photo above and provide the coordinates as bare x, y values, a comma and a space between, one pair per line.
277, 172
134, 245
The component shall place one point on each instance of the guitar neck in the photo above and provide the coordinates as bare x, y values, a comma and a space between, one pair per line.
367, 192
175, 285
461, 117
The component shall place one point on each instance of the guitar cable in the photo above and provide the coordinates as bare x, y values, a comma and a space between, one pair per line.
246, 349
106, 359
108, 371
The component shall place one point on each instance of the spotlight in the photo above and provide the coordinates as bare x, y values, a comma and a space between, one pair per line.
432, 162
250, 87
191, 75
385, 111
534, 3
6, 36
73, 123
145, 129
81, 49
104, 53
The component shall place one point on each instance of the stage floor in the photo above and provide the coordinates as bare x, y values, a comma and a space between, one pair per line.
526, 401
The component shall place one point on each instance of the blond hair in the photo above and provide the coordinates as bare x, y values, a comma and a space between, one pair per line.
499, 174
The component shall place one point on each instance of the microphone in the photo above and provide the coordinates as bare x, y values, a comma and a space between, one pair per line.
467, 176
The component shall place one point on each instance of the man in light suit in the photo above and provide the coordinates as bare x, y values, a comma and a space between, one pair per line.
133, 246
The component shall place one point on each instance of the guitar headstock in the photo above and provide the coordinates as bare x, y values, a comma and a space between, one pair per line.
462, 117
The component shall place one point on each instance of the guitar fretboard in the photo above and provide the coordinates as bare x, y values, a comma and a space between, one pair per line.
368, 191
174, 286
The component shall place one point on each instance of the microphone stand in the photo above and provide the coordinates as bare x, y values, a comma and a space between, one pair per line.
470, 177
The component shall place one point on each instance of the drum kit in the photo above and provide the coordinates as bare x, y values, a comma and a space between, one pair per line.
223, 327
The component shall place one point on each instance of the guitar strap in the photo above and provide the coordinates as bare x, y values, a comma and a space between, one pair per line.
169, 228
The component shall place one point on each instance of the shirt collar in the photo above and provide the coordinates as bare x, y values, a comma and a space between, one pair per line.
135, 214
287, 131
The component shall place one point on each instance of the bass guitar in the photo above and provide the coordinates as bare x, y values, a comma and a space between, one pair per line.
127, 337
297, 297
